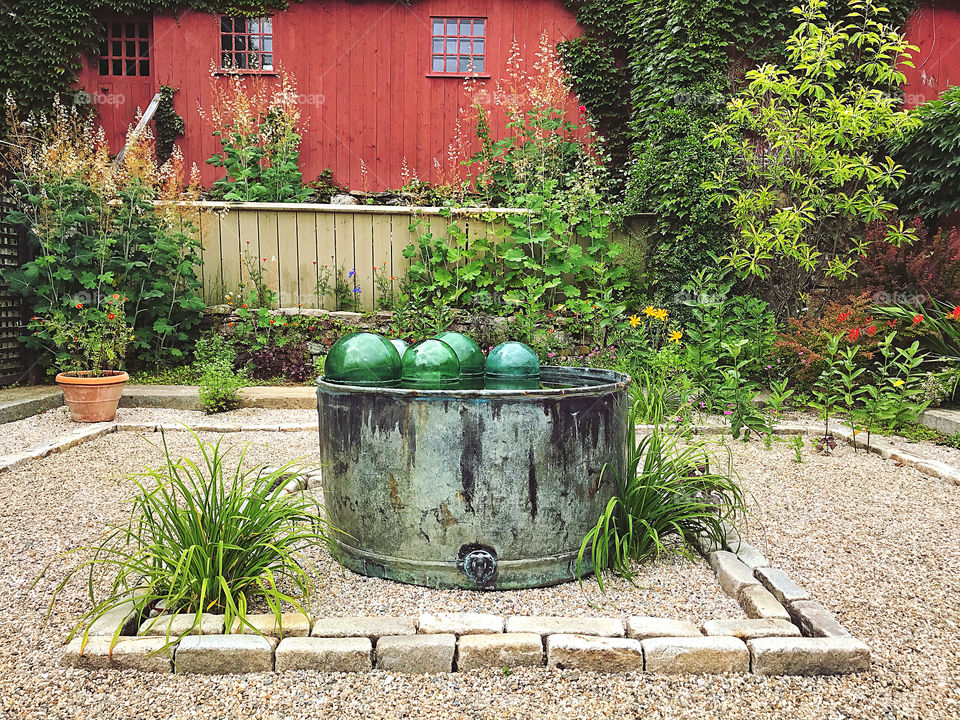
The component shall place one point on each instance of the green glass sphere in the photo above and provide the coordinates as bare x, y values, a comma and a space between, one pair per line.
468, 353
400, 345
511, 382
430, 365
363, 359
513, 359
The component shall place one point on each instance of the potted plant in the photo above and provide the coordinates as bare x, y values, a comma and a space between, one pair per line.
91, 344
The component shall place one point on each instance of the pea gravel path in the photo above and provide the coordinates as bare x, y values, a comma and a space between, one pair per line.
876, 543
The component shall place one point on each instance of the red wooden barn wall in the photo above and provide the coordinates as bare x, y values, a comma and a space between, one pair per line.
360, 69
935, 29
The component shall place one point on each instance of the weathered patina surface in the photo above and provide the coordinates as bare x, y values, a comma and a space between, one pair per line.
476, 489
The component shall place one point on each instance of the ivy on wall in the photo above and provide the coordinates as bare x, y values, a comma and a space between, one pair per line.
169, 125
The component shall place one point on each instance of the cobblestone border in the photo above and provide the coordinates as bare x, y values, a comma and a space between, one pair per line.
786, 631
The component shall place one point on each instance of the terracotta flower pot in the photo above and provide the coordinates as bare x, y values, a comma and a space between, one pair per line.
92, 399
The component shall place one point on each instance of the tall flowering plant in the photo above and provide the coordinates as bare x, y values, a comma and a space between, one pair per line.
92, 340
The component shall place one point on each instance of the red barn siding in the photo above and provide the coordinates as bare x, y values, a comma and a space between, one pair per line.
361, 69
935, 29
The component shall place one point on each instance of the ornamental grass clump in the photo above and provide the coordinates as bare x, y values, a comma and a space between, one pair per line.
671, 500
204, 538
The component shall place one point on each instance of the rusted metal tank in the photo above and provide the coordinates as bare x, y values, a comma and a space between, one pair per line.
483, 489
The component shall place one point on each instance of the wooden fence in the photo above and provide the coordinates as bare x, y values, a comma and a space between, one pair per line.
299, 249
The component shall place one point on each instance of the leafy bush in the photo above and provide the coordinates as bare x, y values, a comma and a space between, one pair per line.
205, 538
94, 232
806, 173
670, 500
220, 387
91, 340
930, 152
290, 362
260, 142
929, 266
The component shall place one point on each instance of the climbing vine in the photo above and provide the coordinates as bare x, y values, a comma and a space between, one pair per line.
169, 125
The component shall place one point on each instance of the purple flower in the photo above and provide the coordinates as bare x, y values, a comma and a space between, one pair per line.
550, 354
732, 405
351, 273
356, 290
728, 412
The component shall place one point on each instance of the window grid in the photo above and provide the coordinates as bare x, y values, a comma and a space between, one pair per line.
457, 45
246, 44
125, 49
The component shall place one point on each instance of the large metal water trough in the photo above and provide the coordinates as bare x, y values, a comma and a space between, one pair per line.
486, 489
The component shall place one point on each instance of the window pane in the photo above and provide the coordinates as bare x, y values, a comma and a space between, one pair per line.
144, 30
465, 27
240, 61
226, 42
268, 62
267, 43
131, 48
253, 25
465, 64
239, 25
478, 64
254, 42
266, 24
451, 46
116, 48
478, 26
144, 49
451, 27
240, 42
104, 67
464, 47
131, 67
144, 67
226, 24
131, 30
437, 45
451, 64
117, 67
478, 47
116, 29
437, 26
438, 63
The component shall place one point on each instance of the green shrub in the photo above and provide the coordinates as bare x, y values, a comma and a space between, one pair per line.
671, 500
805, 172
220, 387
94, 232
205, 538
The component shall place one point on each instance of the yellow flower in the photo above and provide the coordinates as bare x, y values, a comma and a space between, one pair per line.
649, 311
634, 321
897, 383
660, 314
675, 336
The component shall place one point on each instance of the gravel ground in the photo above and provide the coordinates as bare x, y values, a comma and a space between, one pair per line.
874, 542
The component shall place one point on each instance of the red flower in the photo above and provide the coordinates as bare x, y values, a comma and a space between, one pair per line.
110, 316
853, 335
917, 319
272, 322
872, 330
583, 109
116, 297
956, 313
843, 317
79, 306
892, 323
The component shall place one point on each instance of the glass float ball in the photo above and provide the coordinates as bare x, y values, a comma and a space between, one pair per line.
400, 345
364, 359
430, 365
468, 353
512, 366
